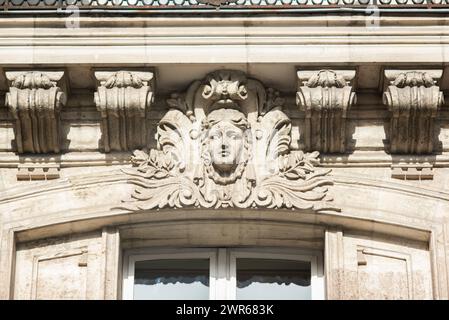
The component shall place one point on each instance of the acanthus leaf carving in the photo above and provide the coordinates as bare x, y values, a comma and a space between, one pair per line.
228, 145
32, 80
326, 79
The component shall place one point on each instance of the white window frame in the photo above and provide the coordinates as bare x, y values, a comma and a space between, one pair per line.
317, 277
222, 266
131, 259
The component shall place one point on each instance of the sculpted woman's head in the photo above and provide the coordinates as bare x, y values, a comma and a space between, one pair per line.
225, 138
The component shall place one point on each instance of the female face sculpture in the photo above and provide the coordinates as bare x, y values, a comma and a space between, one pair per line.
226, 138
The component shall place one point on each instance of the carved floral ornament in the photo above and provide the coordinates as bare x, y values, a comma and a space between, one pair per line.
225, 142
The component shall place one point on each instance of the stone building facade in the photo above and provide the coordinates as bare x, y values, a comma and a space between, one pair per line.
224, 150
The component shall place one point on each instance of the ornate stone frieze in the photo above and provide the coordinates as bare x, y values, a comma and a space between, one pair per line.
325, 96
35, 99
413, 99
123, 98
225, 142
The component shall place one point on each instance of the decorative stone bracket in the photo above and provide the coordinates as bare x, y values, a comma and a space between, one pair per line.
123, 98
35, 99
413, 99
325, 96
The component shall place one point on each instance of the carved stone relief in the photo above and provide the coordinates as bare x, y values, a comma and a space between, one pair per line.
123, 99
225, 142
325, 96
413, 98
35, 99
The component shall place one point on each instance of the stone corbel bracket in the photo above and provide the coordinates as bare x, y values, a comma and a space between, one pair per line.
325, 96
35, 99
124, 98
413, 98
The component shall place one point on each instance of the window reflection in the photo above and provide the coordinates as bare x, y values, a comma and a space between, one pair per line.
273, 279
174, 279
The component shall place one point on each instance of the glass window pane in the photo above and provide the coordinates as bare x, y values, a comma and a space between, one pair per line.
174, 279
273, 279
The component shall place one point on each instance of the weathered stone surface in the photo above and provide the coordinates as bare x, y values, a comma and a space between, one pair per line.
35, 99
413, 99
61, 268
38, 171
123, 98
383, 268
390, 239
412, 171
325, 96
226, 143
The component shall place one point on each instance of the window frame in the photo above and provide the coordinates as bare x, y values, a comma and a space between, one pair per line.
316, 281
222, 266
131, 259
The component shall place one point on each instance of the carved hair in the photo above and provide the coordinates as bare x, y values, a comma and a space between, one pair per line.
233, 116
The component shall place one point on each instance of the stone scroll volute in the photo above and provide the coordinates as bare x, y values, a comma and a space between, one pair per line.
325, 96
413, 98
123, 98
225, 142
35, 99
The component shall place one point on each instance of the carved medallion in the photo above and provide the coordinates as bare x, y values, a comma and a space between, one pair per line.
225, 142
